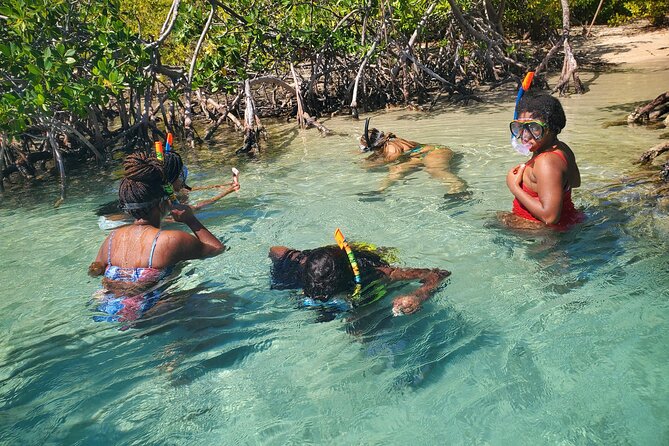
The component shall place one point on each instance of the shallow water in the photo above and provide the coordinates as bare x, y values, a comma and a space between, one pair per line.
536, 339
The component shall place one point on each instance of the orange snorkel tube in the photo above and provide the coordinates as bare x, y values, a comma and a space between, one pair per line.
524, 86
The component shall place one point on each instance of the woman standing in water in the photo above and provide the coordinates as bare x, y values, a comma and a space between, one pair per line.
135, 257
542, 186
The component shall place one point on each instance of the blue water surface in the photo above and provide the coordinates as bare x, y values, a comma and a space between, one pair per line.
537, 338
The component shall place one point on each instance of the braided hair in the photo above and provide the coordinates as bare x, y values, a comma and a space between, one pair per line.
142, 186
172, 167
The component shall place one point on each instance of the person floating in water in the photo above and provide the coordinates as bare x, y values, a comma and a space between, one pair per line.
542, 186
327, 271
176, 174
133, 259
404, 156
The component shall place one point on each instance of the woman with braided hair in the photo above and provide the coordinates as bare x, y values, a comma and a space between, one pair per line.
175, 173
136, 257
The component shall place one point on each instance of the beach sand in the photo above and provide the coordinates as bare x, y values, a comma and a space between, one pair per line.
635, 43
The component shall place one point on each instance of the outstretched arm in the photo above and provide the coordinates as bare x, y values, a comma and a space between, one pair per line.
429, 278
232, 188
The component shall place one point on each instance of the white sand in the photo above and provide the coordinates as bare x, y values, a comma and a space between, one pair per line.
630, 44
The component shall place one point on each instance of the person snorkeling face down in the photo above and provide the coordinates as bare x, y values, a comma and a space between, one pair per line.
326, 271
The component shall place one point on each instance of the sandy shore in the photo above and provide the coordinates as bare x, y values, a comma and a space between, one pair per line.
635, 43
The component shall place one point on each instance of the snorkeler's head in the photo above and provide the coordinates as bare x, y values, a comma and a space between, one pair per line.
176, 171
376, 140
543, 107
372, 139
141, 188
326, 272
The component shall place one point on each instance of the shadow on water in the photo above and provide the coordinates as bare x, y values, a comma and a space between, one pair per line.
416, 351
185, 335
408, 352
619, 219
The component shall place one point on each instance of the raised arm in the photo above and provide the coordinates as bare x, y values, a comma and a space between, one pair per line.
430, 279
183, 246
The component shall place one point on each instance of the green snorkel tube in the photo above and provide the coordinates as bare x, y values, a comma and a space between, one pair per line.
356, 297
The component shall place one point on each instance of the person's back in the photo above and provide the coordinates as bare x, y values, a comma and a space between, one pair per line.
142, 252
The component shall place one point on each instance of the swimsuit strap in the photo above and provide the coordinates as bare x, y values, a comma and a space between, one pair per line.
153, 247
111, 236
558, 152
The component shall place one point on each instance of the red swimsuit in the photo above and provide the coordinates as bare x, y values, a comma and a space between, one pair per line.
568, 216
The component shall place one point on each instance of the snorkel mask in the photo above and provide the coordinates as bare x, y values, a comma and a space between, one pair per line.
516, 142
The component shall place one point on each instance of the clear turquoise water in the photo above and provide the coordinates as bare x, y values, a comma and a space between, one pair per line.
536, 339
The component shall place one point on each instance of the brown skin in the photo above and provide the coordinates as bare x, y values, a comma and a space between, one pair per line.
435, 160
546, 175
131, 244
407, 304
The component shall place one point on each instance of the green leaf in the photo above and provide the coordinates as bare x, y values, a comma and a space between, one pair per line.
34, 69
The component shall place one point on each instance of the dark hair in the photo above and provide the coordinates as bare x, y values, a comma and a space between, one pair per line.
172, 166
327, 271
142, 183
287, 271
545, 107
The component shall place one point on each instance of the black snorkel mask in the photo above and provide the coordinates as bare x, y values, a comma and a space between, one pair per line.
368, 146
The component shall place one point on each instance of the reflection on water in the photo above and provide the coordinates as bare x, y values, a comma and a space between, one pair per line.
536, 337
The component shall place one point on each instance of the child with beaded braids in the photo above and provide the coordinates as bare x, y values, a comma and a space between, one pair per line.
141, 253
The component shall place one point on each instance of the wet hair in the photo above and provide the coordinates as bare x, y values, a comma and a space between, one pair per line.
377, 139
142, 183
173, 166
545, 107
287, 271
327, 271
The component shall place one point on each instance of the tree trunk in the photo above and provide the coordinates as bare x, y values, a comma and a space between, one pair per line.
188, 118
250, 130
569, 66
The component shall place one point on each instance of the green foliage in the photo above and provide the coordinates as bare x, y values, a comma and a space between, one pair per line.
654, 10
539, 19
59, 58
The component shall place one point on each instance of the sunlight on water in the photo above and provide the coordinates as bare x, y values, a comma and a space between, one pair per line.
536, 339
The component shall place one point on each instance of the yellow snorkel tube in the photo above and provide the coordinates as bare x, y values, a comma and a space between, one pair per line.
160, 155
343, 244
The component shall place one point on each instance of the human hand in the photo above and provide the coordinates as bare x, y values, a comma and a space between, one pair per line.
515, 177
96, 269
235, 177
182, 213
405, 305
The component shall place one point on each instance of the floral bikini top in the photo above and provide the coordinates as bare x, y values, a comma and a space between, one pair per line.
134, 275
